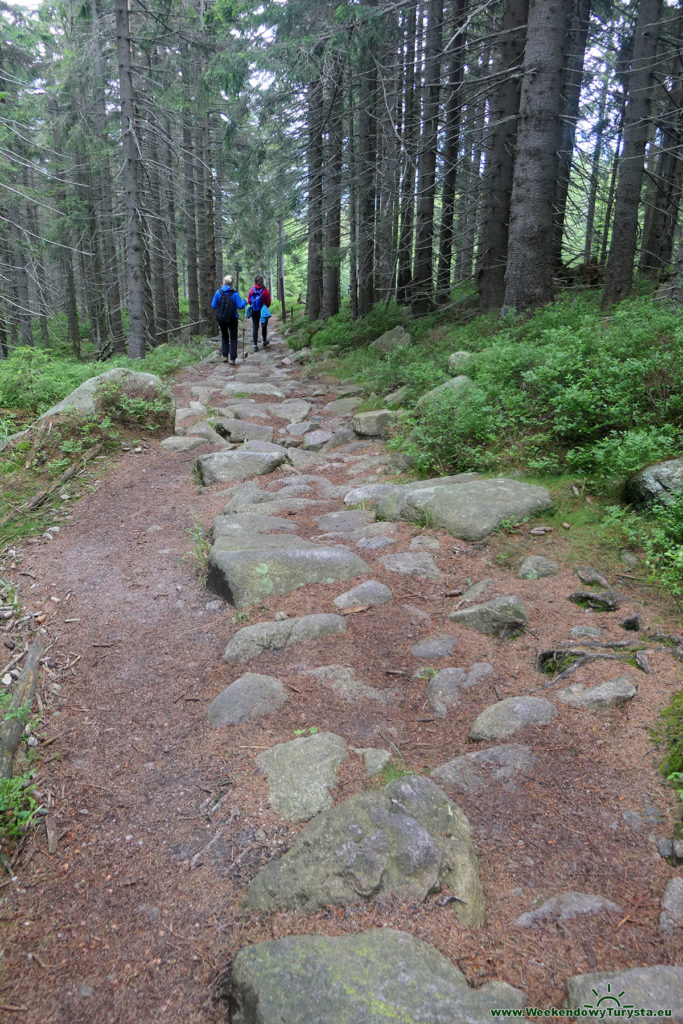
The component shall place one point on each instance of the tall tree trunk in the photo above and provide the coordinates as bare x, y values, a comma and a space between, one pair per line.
595, 173
452, 119
661, 214
677, 290
72, 327
314, 285
389, 98
20, 259
367, 157
498, 172
281, 268
171, 254
134, 251
529, 275
611, 192
106, 201
207, 213
410, 148
423, 285
472, 204
573, 77
353, 211
331, 296
157, 220
190, 231
636, 127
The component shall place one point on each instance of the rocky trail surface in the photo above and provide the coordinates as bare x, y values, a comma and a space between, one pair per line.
330, 780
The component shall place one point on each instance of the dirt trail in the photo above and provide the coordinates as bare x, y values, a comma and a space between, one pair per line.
162, 821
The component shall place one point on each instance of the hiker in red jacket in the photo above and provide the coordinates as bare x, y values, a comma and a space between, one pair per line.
259, 296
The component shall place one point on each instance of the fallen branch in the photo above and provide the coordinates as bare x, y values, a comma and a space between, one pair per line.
12, 730
39, 499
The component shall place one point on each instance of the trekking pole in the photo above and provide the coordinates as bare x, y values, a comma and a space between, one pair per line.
244, 350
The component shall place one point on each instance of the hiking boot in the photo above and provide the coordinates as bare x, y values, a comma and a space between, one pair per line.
266, 344
255, 348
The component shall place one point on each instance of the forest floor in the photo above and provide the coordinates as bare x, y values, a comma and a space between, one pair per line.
161, 820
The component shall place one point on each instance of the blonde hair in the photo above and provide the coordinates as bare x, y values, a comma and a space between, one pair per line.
227, 279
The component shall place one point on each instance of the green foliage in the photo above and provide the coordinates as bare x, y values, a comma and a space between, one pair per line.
558, 391
32, 380
620, 454
660, 534
200, 546
146, 407
668, 732
18, 805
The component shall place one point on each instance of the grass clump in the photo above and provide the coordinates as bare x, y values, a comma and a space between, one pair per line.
668, 732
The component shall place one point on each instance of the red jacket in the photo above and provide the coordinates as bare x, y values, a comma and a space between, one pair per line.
265, 296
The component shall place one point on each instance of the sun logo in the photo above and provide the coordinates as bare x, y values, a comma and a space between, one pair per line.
609, 998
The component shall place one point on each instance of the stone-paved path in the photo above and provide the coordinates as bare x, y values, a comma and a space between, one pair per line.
346, 737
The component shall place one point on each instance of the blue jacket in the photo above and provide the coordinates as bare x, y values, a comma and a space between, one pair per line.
240, 303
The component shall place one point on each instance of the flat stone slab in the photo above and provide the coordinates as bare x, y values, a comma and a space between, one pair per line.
467, 506
368, 493
268, 636
501, 720
376, 977
448, 389
434, 646
303, 460
242, 430
298, 429
499, 765
181, 444
393, 339
293, 410
343, 406
585, 632
247, 697
206, 431
501, 615
671, 916
245, 409
223, 467
376, 759
443, 689
653, 988
375, 543
369, 593
301, 774
607, 695
315, 439
404, 841
240, 389
276, 566
346, 521
565, 907
413, 563
377, 423
345, 684
536, 566
242, 524
424, 543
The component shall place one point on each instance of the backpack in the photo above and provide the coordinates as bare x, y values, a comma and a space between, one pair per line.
256, 300
225, 311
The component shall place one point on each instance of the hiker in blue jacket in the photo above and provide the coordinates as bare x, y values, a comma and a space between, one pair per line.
258, 297
227, 302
